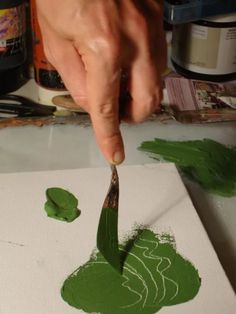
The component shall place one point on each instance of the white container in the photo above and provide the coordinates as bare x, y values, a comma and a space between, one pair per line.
206, 49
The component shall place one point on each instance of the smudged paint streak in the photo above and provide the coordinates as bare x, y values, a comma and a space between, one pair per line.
211, 164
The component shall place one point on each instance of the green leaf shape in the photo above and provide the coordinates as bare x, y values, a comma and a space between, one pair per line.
154, 276
61, 204
107, 237
211, 164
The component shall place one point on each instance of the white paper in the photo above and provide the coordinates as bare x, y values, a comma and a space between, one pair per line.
38, 253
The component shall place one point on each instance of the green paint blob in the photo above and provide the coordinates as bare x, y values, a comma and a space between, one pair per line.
207, 162
154, 275
61, 205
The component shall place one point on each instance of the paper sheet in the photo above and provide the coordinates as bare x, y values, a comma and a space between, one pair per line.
38, 253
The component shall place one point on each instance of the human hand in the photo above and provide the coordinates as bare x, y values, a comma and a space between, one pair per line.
90, 43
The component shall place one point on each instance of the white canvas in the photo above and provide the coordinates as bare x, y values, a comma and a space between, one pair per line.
38, 253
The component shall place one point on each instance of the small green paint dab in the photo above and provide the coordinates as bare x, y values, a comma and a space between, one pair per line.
61, 205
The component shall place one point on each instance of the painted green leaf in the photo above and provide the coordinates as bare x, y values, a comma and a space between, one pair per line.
211, 164
154, 276
107, 237
61, 204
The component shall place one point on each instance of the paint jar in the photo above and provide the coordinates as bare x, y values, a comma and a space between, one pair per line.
186, 11
46, 76
206, 49
12, 45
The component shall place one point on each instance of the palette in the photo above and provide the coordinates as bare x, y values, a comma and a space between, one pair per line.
38, 253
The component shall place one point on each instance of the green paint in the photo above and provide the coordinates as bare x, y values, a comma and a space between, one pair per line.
154, 275
207, 162
107, 237
61, 204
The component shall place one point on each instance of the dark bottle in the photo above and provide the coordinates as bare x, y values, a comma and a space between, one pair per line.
46, 75
12, 45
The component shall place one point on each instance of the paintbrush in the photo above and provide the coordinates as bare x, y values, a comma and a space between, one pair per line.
107, 234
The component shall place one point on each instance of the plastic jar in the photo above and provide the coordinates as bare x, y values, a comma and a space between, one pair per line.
12, 45
206, 49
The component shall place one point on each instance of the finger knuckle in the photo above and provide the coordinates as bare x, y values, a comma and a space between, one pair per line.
153, 102
107, 48
147, 105
106, 110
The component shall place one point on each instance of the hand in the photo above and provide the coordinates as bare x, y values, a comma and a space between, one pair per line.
90, 43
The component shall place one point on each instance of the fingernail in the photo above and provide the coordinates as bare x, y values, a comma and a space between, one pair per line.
118, 157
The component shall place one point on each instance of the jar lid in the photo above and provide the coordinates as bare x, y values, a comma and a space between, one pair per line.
225, 18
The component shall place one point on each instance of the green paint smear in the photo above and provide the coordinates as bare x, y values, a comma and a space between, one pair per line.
207, 162
61, 205
154, 275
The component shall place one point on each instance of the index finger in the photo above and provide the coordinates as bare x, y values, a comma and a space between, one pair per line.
103, 87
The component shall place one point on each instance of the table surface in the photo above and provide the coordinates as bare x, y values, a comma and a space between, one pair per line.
30, 148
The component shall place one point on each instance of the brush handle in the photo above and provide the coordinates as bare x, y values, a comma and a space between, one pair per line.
112, 198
